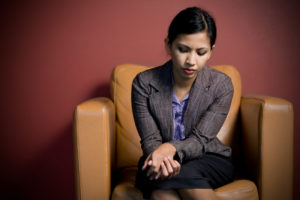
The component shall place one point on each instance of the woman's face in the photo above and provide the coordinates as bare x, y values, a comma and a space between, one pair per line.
189, 53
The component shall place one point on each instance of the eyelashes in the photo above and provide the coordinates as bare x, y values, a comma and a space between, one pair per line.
186, 50
201, 53
183, 50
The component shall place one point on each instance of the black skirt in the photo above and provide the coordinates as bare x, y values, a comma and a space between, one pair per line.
209, 171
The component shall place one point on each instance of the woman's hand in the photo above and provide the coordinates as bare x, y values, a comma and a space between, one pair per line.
169, 168
160, 162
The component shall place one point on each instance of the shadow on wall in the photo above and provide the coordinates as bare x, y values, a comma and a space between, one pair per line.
41, 180
51, 174
102, 90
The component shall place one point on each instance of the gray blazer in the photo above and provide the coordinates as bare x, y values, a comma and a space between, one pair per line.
208, 105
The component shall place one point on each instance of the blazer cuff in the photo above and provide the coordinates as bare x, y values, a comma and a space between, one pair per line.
179, 156
147, 150
187, 149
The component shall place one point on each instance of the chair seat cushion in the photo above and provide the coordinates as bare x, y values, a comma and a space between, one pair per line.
237, 190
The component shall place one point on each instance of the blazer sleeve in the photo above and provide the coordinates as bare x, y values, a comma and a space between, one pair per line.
145, 123
208, 125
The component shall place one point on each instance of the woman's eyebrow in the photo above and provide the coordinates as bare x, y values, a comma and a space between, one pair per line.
183, 45
202, 48
186, 46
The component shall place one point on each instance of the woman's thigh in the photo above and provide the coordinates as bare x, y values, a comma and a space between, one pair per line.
207, 172
197, 194
165, 195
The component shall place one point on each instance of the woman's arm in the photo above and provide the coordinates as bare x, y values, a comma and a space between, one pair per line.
208, 125
145, 124
160, 163
159, 156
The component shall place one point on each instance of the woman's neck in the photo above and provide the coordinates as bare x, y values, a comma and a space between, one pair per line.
183, 83
182, 87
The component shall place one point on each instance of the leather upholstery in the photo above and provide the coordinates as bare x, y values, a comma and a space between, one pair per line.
94, 142
107, 145
267, 127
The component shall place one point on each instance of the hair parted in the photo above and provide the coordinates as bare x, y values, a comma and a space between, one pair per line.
192, 20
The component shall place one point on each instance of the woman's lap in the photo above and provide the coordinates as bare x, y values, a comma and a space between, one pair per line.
209, 171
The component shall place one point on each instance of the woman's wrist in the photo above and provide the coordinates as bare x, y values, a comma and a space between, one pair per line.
170, 148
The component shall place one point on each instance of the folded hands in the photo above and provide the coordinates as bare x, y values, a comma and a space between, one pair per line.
160, 163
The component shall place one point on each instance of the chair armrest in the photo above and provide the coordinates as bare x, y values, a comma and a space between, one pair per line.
93, 148
267, 132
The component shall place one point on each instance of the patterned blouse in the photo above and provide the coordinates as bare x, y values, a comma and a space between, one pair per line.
178, 114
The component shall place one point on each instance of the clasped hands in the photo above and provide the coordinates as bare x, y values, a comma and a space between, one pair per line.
160, 163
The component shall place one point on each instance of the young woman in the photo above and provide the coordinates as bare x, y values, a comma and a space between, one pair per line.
179, 108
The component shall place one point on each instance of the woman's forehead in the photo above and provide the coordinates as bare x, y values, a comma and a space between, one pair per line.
196, 40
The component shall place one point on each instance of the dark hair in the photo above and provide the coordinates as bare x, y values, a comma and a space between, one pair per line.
192, 20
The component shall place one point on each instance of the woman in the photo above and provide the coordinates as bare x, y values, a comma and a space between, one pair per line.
179, 108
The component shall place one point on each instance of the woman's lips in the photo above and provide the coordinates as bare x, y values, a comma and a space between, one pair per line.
188, 71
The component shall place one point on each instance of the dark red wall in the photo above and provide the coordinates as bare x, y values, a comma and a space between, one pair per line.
56, 55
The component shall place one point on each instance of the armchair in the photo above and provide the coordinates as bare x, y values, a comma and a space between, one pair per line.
107, 148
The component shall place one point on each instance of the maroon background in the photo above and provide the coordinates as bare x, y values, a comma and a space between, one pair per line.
57, 54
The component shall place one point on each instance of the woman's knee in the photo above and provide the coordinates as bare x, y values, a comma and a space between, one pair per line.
197, 194
164, 194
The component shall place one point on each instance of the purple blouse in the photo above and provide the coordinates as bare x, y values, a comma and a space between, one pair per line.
178, 113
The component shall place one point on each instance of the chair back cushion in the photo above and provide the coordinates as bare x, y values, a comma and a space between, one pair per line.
128, 149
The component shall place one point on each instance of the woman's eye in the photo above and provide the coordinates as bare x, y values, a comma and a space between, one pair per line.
182, 50
201, 53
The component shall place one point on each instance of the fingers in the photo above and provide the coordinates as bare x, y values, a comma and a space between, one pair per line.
175, 165
147, 162
153, 170
153, 174
156, 162
177, 168
158, 175
152, 165
162, 173
169, 167
150, 173
157, 157
160, 164
164, 170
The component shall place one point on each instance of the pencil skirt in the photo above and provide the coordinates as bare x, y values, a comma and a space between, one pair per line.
208, 171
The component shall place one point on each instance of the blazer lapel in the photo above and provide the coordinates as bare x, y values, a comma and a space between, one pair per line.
198, 100
161, 102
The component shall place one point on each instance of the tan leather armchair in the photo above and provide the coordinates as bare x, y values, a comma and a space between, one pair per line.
107, 148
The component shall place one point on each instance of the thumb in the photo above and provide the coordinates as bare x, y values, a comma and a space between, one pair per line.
148, 162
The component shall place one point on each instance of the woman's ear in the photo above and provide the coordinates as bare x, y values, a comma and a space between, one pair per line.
211, 51
167, 46
213, 47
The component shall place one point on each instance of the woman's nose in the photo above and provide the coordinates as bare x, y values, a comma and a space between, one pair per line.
191, 59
